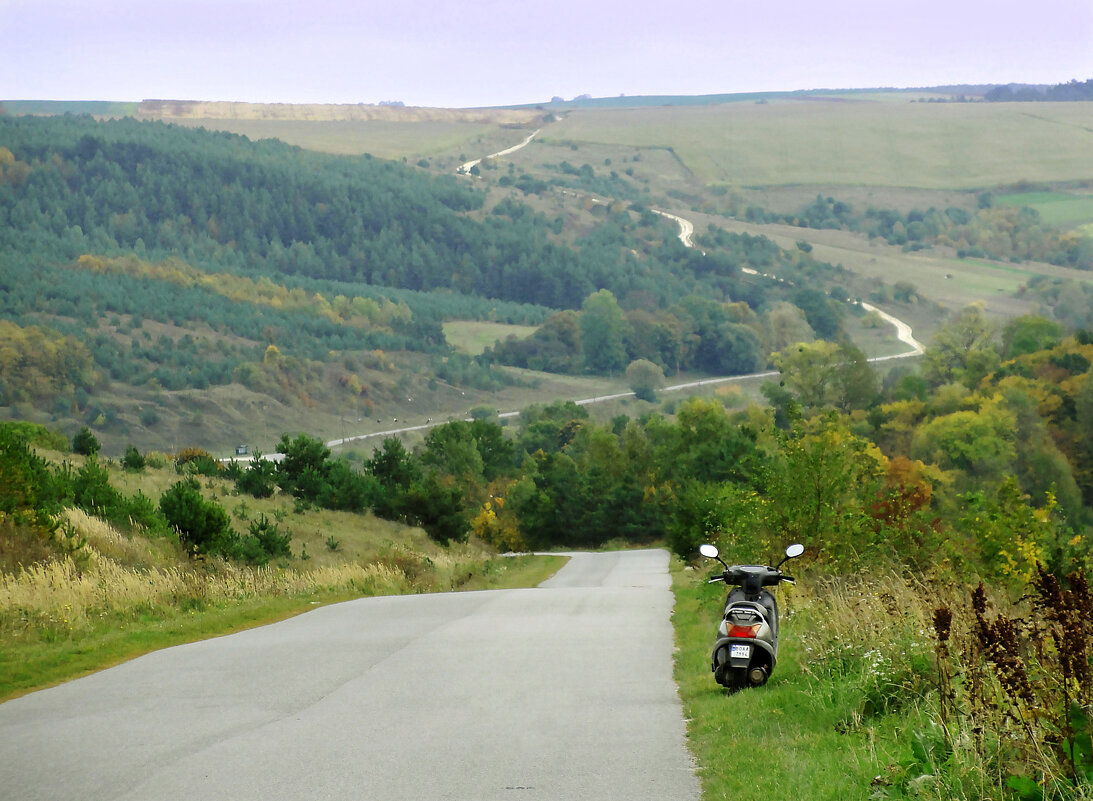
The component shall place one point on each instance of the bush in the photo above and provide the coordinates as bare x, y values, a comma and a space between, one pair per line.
259, 479
265, 541
133, 459
645, 378
35, 434
85, 443
196, 461
93, 492
141, 511
437, 509
203, 526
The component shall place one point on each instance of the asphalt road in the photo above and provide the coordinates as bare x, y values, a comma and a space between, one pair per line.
560, 692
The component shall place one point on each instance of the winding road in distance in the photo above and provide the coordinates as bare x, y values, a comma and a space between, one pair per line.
686, 233
559, 693
903, 333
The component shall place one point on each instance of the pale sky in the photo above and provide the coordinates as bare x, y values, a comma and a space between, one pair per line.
488, 52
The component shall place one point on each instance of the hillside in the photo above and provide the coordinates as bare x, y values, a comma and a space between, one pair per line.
309, 287
176, 261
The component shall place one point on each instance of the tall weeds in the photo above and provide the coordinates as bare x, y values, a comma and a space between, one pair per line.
1016, 692
993, 699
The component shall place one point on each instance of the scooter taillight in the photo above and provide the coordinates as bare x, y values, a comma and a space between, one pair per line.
744, 631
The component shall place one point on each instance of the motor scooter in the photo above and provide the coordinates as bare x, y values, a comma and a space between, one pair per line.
746, 649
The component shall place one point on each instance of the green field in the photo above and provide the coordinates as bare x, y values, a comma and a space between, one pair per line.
1056, 208
473, 337
832, 143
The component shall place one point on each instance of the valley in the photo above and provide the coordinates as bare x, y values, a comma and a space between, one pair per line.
862, 321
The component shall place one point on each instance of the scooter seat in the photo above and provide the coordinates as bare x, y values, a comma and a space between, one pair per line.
746, 611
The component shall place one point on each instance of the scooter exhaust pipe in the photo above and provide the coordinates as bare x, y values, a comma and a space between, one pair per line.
757, 676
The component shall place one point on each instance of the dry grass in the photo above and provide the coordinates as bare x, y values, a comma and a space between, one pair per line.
63, 594
115, 575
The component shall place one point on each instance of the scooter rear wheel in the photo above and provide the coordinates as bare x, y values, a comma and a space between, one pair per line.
731, 678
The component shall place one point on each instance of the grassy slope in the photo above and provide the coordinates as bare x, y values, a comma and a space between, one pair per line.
98, 108
945, 146
222, 417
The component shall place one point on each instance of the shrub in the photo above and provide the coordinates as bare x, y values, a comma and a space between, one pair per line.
93, 492
644, 378
156, 459
436, 508
85, 443
141, 511
133, 459
483, 413
259, 479
35, 434
203, 526
196, 461
265, 541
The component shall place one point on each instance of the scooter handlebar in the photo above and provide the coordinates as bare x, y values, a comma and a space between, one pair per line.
789, 579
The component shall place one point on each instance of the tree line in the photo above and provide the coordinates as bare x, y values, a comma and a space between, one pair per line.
989, 231
1061, 92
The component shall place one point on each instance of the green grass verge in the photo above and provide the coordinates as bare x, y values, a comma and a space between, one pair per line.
789, 739
31, 664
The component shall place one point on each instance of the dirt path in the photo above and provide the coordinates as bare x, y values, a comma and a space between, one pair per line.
686, 227
464, 169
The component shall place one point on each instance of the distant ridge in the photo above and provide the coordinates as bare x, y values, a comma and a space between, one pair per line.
520, 114
641, 101
51, 108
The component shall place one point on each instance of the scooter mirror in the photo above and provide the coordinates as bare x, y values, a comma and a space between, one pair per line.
709, 551
794, 550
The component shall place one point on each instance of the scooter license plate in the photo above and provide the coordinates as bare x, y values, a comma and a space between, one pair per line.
740, 652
